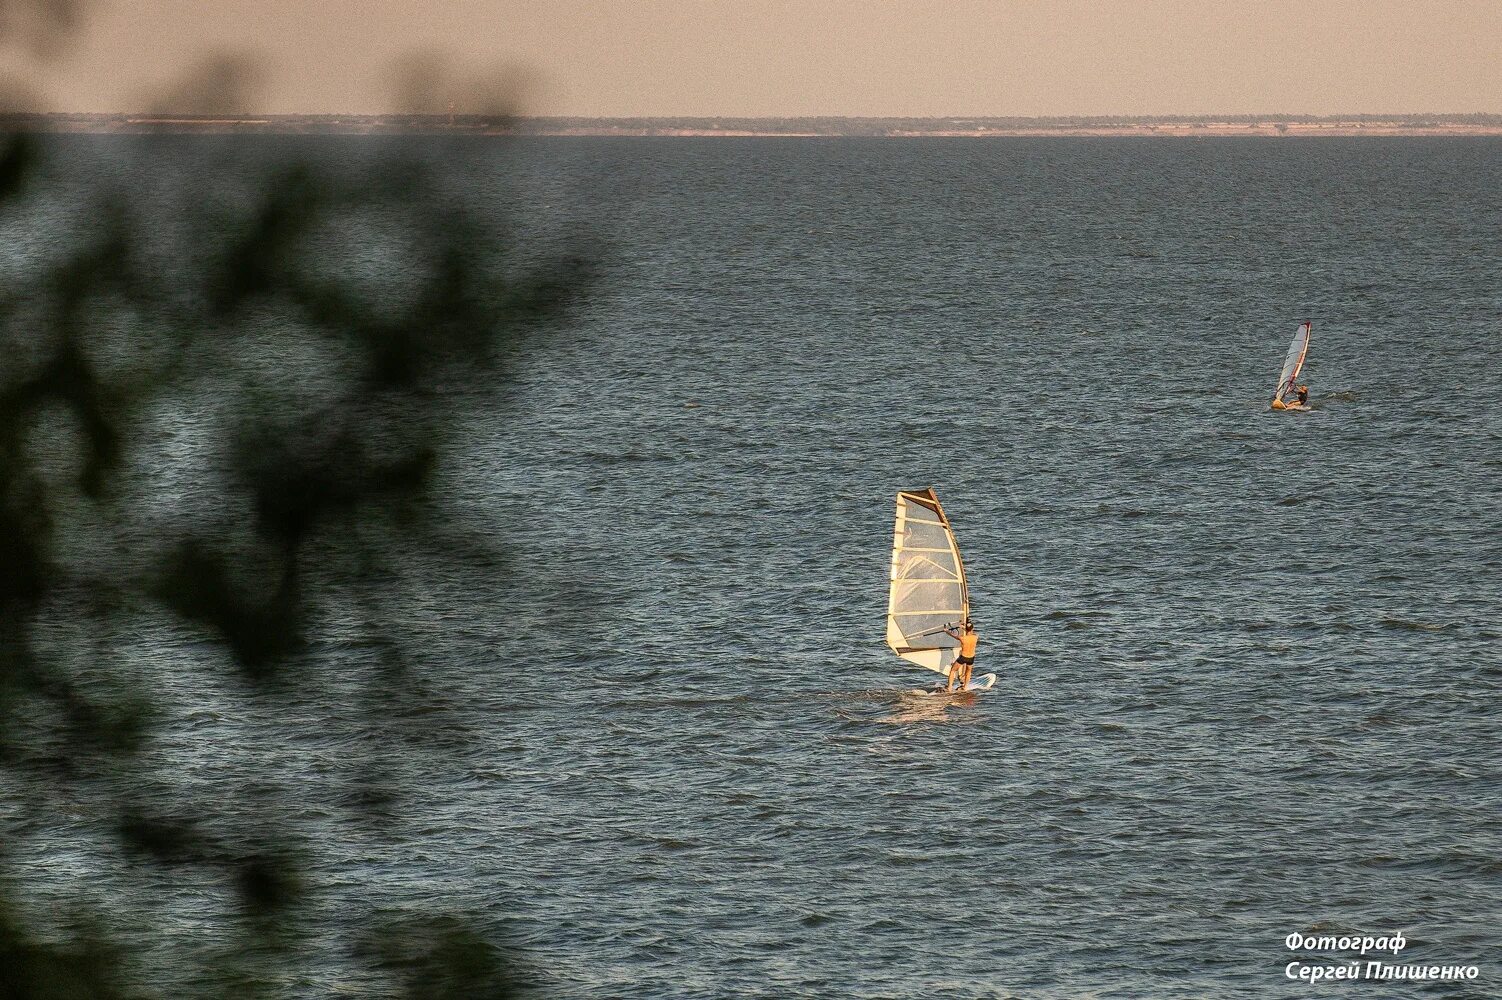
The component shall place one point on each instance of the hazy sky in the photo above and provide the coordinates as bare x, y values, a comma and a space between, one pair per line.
814, 57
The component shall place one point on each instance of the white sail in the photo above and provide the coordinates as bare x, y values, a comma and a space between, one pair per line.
927, 583
1294, 362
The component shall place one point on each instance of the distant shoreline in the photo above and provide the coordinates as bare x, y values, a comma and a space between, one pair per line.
1180, 126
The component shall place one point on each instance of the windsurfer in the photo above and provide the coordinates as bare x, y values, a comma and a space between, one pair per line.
965, 661
1290, 394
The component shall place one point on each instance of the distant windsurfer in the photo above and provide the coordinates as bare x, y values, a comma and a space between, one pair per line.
1291, 395
965, 661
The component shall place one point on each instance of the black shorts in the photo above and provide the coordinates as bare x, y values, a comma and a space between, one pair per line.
965, 661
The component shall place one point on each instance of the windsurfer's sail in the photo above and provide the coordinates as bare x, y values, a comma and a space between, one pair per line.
1294, 362
927, 584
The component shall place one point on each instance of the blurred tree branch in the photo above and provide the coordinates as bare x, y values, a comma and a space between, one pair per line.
334, 403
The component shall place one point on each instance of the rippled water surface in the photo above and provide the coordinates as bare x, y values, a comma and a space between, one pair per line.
1248, 661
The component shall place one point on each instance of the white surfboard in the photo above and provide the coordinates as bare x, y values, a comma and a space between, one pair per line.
981, 683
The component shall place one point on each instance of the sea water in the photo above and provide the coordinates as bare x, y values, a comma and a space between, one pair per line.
1248, 662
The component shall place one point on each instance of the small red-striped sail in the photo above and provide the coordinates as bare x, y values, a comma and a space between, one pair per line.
1294, 362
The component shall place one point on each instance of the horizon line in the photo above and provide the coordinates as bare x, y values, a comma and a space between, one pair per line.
522, 116
1459, 125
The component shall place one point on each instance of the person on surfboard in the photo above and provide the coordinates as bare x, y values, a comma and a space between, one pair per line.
1303, 395
965, 661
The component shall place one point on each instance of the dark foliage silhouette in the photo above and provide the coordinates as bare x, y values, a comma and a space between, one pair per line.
330, 388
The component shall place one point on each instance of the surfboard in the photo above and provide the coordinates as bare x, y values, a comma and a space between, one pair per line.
982, 683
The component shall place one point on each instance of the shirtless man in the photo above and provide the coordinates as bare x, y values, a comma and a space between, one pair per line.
963, 663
